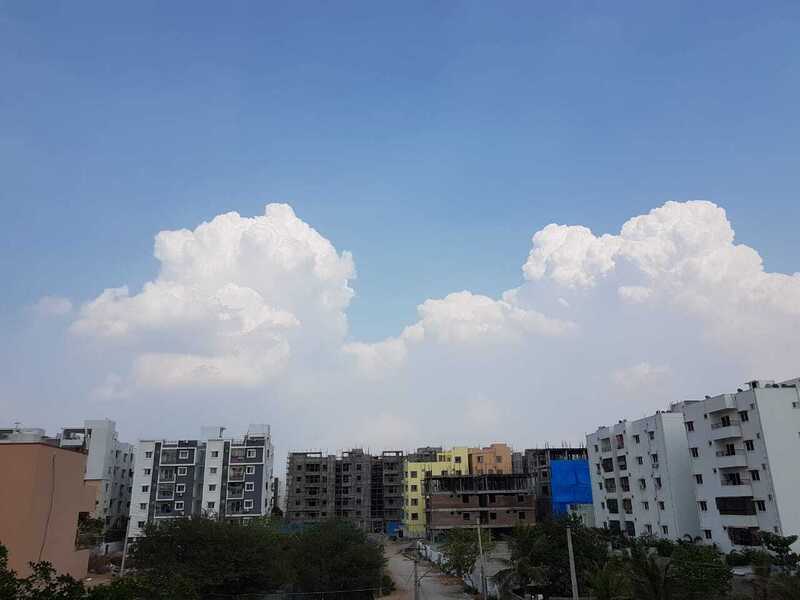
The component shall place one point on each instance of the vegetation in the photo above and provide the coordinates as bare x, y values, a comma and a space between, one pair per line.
461, 551
194, 559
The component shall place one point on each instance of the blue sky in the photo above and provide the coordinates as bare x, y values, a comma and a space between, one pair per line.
430, 139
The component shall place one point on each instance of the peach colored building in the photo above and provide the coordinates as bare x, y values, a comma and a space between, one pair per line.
494, 458
41, 496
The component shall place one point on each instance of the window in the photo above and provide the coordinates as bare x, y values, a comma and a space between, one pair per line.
179, 505
413, 474
689, 425
215, 454
180, 488
212, 470
251, 453
665, 530
636, 438
415, 502
761, 505
703, 505
249, 486
707, 533
143, 506
613, 506
480, 458
465, 516
654, 458
658, 482
210, 504
649, 528
183, 454
695, 452
181, 470
248, 505
457, 459
145, 488
646, 505
755, 475
148, 471
212, 487
651, 435
148, 455
522, 515
639, 460
492, 516
661, 505
249, 470
140, 524
743, 416
414, 516
465, 498
699, 479
413, 488
642, 484
749, 446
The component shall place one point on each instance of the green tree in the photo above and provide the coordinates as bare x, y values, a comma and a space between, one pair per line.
780, 548
8, 579
335, 555
650, 574
461, 551
609, 581
699, 572
539, 557
198, 556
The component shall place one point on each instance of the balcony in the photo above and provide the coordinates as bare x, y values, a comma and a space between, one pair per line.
724, 431
728, 460
166, 492
735, 487
720, 403
739, 520
235, 490
236, 474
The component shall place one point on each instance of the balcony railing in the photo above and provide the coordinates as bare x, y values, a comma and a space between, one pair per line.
730, 423
740, 481
728, 453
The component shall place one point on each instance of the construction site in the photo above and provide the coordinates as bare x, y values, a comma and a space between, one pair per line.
364, 488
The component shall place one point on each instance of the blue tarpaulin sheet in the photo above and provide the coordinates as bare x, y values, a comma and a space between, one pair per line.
570, 484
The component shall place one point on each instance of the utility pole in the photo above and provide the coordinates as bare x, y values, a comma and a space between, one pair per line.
572, 565
416, 580
483, 564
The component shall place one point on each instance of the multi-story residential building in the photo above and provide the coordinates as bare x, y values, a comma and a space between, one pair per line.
495, 458
494, 501
448, 462
109, 469
641, 477
225, 478
743, 449
538, 462
363, 488
387, 492
43, 498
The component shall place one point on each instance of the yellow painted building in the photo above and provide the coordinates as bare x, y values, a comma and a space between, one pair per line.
448, 462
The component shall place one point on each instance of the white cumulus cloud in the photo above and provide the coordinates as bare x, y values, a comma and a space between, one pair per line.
53, 306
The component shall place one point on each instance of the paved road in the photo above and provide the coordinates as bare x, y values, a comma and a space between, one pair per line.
434, 586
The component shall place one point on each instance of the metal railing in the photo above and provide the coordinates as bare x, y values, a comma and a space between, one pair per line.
730, 423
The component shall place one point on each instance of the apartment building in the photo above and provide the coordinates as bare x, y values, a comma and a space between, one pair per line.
744, 449
109, 469
363, 488
494, 458
538, 462
216, 476
42, 498
447, 462
642, 477
493, 501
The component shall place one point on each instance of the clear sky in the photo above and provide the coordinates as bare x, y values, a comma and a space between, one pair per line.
430, 139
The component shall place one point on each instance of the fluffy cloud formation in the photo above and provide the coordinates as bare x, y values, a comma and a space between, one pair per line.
52, 306
682, 254
253, 311
230, 299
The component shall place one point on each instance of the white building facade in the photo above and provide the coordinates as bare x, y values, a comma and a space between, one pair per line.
215, 476
109, 468
641, 477
744, 449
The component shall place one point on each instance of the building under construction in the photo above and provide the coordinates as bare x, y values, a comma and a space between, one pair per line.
537, 462
495, 501
363, 488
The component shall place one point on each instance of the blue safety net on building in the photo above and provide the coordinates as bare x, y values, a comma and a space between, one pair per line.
570, 484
